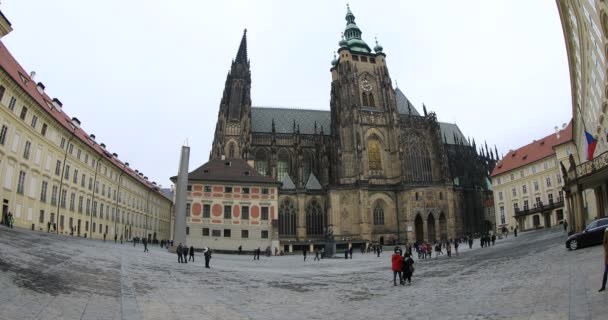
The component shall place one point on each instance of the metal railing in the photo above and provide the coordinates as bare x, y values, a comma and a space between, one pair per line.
541, 208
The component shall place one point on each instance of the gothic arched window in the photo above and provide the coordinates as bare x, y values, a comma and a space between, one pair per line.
309, 166
374, 155
261, 162
231, 151
364, 99
418, 164
287, 218
378, 215
315, 219
283, 165
371, 100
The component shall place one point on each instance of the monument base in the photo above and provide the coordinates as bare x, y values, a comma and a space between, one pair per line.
330, 249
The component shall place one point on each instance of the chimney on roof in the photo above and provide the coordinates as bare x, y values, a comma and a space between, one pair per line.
57, 104
76, 122
33, 75
103, 146
39, 86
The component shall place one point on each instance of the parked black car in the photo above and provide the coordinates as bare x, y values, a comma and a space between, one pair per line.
592, 235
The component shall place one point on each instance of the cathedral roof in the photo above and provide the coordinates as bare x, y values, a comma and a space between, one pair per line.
403, 102
287, 183
313, 183
262, 117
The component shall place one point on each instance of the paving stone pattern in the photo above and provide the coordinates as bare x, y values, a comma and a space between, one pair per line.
45, 276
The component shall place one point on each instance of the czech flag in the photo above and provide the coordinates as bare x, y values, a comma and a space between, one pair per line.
591, 144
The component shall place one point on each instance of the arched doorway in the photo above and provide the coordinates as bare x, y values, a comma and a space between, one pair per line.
419, 228
381, 240
430, 221
443, 226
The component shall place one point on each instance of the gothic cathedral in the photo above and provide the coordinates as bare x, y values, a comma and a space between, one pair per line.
372, 169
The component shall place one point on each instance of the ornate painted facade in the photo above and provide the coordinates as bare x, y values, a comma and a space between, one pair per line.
370, 169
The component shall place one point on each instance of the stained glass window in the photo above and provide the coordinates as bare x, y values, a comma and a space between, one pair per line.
374, 155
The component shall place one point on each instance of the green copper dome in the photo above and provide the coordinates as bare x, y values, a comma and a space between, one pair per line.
334, 62
353, 34
378, 48
343, 42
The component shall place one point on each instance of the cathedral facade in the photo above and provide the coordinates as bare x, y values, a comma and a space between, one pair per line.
371, 169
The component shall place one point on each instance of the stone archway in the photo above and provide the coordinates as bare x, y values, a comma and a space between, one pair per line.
430, 221
443, 227
419, 228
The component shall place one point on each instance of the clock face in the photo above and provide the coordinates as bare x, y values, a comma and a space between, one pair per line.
366, 85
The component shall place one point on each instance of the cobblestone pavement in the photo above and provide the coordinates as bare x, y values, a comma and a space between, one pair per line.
45, 276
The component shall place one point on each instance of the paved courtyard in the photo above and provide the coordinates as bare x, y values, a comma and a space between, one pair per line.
45, 276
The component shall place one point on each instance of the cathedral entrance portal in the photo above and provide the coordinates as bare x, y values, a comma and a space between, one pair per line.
418, 226
430, 221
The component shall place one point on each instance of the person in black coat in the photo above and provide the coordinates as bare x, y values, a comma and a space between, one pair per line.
191, 254
408, 268
207, 255
179, 253
304, 253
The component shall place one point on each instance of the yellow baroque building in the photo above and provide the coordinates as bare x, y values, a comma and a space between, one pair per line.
52, 173
585, 26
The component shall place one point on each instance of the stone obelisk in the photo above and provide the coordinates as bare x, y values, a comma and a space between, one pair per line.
179, 236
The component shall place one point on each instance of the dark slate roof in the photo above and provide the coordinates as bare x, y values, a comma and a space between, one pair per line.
233, 170
287, 183
313, 183
167, 192
261, 120
403, 102
448, 130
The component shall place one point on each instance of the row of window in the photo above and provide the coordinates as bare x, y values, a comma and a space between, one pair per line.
538, 202
70, 147
227, 233
228, 212
532, 169
535, 184
244, 190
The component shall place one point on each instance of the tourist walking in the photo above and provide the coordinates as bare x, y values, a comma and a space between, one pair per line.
515, 232
115, 237
317, 255
145, 242
240, 249
345, 253
605, 261
408, 268
178, 250
207, 254
456, 244
397, 265
304, 253
48, 227
470, 242
448, 247
191, 258
493, 239
350, 252
11, 221
565, 226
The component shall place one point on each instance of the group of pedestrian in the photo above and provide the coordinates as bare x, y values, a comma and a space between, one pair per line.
8, 219
348, 252
486, 240
256, 253
183, 252
402, 266
50, 225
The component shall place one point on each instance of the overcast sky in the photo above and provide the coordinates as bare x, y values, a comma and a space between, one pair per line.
145, 75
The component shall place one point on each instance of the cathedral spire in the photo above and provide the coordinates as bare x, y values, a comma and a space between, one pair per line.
241, 56
352, 35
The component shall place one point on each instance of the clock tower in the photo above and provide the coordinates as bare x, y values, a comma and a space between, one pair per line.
364, 117
232, 139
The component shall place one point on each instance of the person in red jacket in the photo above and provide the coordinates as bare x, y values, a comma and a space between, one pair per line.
397, 265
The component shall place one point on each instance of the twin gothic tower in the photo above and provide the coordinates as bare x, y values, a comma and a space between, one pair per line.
371, 169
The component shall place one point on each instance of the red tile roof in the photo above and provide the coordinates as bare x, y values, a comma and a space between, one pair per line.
15, 71
532, 152
231, 170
